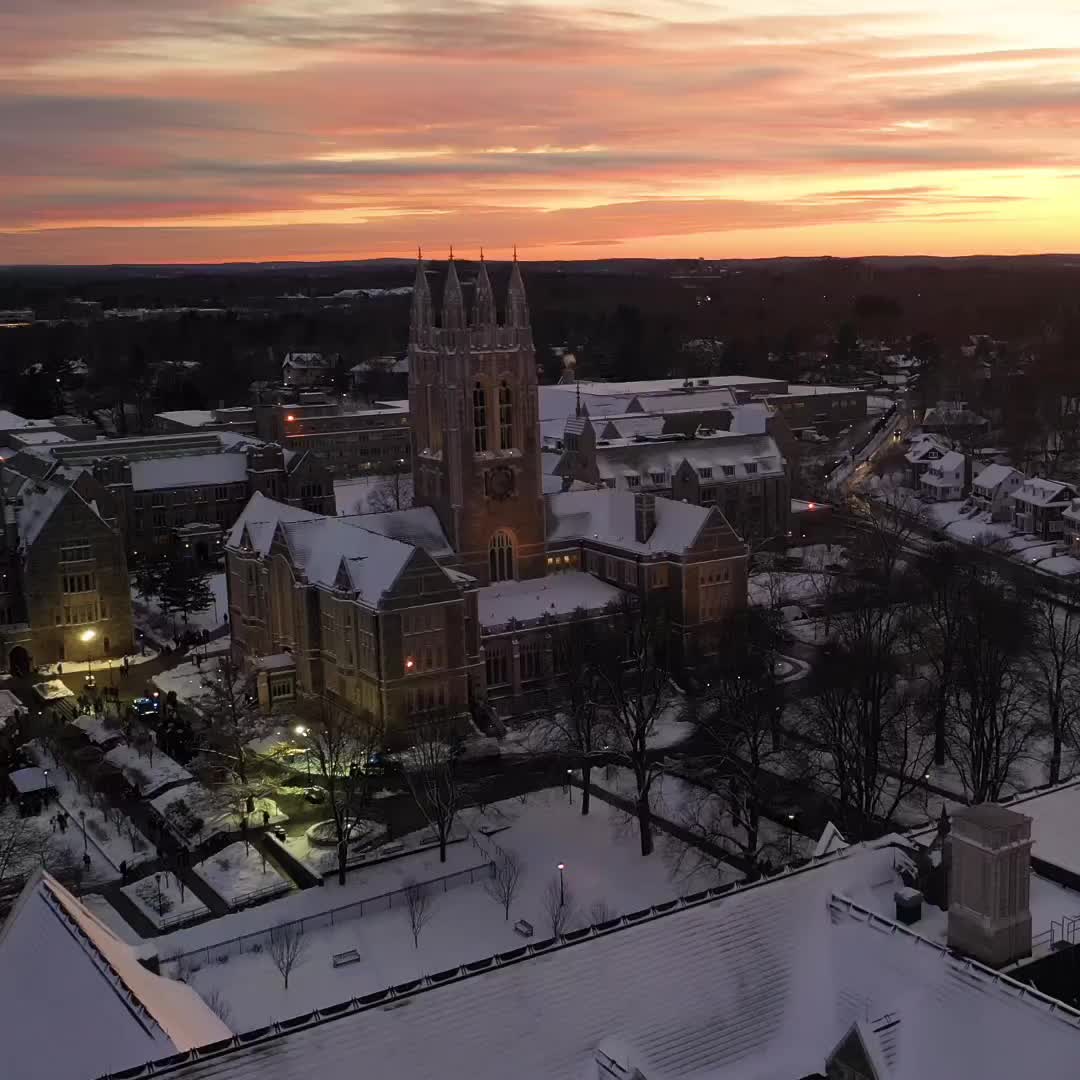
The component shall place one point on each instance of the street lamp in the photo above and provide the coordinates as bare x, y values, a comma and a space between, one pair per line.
790, 836
569, 785
86, 637
562, 885
82, 821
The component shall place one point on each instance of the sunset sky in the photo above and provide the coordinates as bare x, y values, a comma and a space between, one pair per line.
214, 130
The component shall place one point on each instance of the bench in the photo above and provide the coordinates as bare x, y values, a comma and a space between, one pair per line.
349, 956
525, 929
392, 849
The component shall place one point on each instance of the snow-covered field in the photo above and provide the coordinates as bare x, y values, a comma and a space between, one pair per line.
604, 873
195, 813
186, 680
160, 625
162, 900
239, 872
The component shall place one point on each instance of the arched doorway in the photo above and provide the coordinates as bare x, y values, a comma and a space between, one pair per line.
19, 662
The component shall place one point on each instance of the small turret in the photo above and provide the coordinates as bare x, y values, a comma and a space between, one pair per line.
484, 300
517, 307
453, 302
421, 321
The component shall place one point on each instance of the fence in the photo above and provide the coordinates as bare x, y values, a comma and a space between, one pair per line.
257, 941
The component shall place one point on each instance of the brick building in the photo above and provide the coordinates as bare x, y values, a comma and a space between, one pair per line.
351, 440
64, 593
454, 602
183, 492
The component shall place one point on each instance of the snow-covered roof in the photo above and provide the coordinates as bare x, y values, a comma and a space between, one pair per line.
945, 416
811, 390
761, 983
1039, 492
1061, 565
52, 690
608, 516
189, 417
42, 438
40, 500
10, 421
9, 706
715, 451
95, 729
306, 360
190, 470
27, 781
925, 448
75, 1000
948, 462
281, 661
555, 595
993, 476
321, 547
418, 526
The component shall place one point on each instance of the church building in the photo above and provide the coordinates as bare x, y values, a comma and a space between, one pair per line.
455, 602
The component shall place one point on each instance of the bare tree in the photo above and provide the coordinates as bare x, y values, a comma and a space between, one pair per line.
558, 905
219, 1006
634, 692
600, 911
418, 905
431, 774
393, 492
340, 744
235, 720
287, 947
992, 705
869, 716
738, 712
22, 842
1055, 655
570, 721
503, 884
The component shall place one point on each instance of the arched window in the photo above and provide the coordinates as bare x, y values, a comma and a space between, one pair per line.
501, 557
506, 416
479, 418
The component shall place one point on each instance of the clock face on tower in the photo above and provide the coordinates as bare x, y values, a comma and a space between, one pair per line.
500, 482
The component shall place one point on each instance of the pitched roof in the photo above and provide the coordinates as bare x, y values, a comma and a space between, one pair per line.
321, 546
994, 475
554, 595
760, 983
418, 526
608, 516
1040, 492
75, 999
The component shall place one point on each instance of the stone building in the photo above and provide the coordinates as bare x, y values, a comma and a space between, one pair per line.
64, 592
182, 493
455, 601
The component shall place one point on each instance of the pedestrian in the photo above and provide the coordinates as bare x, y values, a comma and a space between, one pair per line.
86, 862
266, 818
123, 871
52, 822
126, 665
62, 821
59, 669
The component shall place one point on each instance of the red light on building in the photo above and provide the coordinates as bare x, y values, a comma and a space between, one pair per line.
811, 506
290, 417
410, 663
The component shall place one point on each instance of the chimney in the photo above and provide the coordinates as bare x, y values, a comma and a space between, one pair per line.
644, 516
990, 884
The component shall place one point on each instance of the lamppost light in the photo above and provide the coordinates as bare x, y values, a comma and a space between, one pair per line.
562, 866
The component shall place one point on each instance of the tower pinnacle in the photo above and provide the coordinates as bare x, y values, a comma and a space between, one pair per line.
421, 321
453, 302
484, 300
517, 307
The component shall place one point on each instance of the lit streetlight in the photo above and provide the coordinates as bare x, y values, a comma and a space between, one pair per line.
569, 785
790, 836
87, 637
562, 885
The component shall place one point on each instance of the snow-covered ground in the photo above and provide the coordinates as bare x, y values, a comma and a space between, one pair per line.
111, 836
373, 494
159, 625
163, 900
681, 802
149, 772
186, 680
239, 872
604, 874
195, 813
74, 667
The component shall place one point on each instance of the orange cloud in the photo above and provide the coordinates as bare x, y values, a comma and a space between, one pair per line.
244, 129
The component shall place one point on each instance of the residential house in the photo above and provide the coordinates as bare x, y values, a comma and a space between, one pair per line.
308, 368
993, 488
1039, 507
923, 452
954, 420
944, 479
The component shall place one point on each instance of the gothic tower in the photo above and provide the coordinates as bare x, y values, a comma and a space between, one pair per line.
475, 425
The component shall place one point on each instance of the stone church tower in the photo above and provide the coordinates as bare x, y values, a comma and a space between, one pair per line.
475, 425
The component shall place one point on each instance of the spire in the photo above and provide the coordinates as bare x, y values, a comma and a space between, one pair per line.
453, 304
517, 307
484, 300
421, 320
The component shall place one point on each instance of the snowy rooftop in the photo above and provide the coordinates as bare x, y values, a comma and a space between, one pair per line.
189, 417
10, 421
9, 705
42, 438
715, 451
76, 1001
328, 550
190, 470
608, 516
798, 390
638, 387
276, 662
1054, 814
555, 595
1040, 492
27, 781
418, 526
993, 476
759, 984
